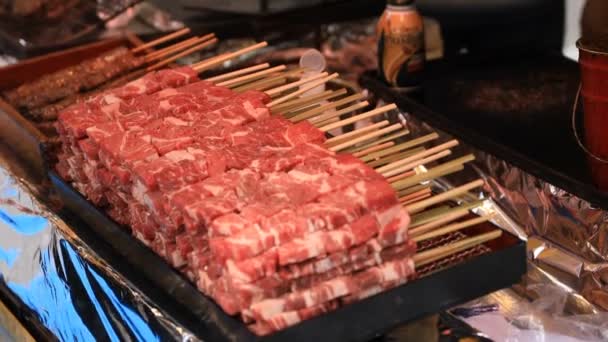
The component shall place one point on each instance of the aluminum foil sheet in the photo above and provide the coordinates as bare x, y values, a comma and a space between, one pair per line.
67, 287
566, 237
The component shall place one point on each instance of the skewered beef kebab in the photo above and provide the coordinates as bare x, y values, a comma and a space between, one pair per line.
81, 77
50, 112
114, 146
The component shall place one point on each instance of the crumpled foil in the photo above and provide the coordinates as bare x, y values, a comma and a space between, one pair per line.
565, 235
63, 284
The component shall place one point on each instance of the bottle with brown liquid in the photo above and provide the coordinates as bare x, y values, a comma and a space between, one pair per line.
401, 55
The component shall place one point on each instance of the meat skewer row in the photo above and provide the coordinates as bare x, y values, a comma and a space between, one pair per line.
86, 75
50, 112
363, 138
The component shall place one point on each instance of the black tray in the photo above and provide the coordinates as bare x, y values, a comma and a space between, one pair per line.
361, 321
539, 141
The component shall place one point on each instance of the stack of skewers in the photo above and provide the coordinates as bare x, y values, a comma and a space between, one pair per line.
41, 100
233, 181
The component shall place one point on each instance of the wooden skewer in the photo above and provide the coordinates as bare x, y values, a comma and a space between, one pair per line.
161, 40
432, 255
400, 147
394, 157
373, 149
416, 199
296, 84
249, 77
413, 191
421, 155
170, 49
452, 228
441, 170
239, 72
327, 117
308, 100
416, 194
417, 163
335, 116
389, 137
319, 110
359, 117
262, 83
211, 62
332, 120
349, 135
429, 219
302, 90
366, 137
182, 54
177, 47
262, 86
401, 176
444, 196
423, 216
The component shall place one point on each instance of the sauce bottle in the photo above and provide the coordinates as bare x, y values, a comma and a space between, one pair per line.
401, 55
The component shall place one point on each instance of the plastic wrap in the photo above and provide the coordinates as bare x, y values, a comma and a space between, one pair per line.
546, 318
63, 285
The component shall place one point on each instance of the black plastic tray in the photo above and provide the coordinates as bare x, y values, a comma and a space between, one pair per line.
361, 321
540, 143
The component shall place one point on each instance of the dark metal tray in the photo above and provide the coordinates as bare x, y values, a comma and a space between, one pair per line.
80, 23
538, 140
502, 264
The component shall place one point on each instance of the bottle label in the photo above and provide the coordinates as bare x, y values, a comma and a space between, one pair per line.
401, 48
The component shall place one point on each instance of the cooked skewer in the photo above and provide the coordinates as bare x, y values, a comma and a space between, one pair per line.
161, 40
182, 54
444, 196
236, 73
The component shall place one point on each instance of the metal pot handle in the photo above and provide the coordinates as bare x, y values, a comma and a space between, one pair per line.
575, 130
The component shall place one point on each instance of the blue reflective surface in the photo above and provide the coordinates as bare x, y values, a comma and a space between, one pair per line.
71, 291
